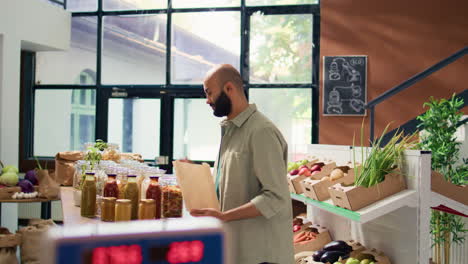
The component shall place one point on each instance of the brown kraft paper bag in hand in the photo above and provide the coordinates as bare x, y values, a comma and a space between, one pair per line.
32, 237
197, 185
48, 188
65, 166
8, 243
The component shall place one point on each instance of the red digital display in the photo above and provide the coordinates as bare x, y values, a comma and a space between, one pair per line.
186, 251
117, 255
174, 253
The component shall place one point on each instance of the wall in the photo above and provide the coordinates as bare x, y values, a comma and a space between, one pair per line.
29, 25
401, 38
24, 24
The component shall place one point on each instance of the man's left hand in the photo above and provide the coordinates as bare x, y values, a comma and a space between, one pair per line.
208, 212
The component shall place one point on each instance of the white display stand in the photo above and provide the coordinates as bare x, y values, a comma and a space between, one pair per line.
397, 225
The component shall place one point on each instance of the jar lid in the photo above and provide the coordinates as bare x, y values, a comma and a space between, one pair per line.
111, 175
89, 173
124, 201
147, 201
154, 177
109, 199
131, 175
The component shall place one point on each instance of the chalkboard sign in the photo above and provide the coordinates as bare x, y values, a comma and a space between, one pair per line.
344, 85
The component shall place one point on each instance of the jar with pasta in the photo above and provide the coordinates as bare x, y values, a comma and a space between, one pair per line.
112, 152
172, 203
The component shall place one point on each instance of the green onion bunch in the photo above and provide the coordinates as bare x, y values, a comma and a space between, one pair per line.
382, 160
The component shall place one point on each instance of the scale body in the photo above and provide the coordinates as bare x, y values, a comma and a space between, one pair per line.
169, 241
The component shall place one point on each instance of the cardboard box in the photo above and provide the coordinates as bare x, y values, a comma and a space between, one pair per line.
294, 182
356, 197
439, 185
318, 189
322, 239
326, 169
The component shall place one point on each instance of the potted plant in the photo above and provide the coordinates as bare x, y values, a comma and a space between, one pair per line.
440, 125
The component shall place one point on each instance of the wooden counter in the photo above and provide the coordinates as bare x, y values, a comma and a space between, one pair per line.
71, 213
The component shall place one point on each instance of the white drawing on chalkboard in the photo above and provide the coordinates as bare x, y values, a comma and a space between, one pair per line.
357, 61
334, 74
334, 103
351, 74
356, 104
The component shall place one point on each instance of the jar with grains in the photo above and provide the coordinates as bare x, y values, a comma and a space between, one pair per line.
88, 196
172, 203
123, 210
132, 193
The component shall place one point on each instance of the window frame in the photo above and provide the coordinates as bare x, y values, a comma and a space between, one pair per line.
167, 91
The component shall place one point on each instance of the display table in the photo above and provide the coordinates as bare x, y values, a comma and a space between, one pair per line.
46, 206
71, 213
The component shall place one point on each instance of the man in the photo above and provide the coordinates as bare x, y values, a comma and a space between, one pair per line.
250, 174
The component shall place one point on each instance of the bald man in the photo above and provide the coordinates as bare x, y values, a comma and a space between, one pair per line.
250, 174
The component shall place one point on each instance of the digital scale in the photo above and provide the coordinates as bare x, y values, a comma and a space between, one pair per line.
174, 241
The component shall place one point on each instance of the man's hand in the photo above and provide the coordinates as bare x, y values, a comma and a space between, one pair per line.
208, 212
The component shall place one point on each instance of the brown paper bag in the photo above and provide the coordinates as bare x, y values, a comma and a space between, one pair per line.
197, 185
8, 244
65, 166
48, 188
131, 156
32, 237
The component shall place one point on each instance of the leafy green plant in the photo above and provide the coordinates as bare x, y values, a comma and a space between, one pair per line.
382, 160
440, 125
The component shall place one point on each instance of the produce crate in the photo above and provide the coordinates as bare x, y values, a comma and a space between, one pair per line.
7, 192
356, 197
294, 182
325, 171
448, 189
322, 239
318, 190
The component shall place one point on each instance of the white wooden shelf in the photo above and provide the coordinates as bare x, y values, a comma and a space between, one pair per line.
368, 213
439, 199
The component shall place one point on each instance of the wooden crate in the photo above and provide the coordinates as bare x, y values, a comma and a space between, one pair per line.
7, 192
356, 197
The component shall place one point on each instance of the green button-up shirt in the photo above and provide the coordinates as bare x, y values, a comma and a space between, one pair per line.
253, 158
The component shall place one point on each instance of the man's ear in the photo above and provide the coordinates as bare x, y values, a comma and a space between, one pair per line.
228, 87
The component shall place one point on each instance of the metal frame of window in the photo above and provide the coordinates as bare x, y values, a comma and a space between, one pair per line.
168, 91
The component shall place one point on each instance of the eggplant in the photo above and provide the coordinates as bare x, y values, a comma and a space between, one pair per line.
333, 256
318, 254
338, 245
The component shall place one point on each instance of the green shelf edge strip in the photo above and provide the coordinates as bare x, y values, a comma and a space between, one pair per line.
328, 207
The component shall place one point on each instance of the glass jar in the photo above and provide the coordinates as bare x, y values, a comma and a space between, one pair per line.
122, 181
112, 152
88, 196
146, 209
111, 189
81, 166
154, 192
123, 210
172, 203
101, 179
108, 209
131, 193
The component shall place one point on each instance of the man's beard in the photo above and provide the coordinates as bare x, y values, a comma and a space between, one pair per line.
222, 106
